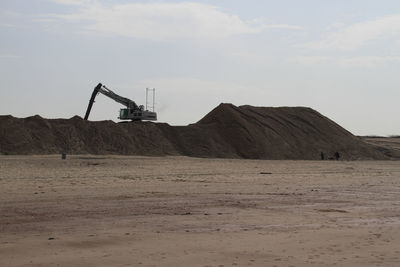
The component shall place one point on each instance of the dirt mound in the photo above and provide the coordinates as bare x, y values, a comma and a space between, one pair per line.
35, 135
284, 133
227, 131
390, 146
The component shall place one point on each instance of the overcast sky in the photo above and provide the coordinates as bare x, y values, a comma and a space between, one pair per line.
340, 57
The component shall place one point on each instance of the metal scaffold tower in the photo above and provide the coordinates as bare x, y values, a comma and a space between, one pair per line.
150, 99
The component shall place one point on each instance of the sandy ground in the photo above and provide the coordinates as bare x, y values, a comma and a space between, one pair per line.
177, 211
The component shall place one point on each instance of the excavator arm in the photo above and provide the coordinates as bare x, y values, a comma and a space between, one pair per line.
91, 101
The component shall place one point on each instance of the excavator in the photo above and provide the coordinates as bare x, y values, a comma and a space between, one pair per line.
132, 111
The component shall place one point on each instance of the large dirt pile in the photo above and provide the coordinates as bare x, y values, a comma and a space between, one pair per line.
227, 131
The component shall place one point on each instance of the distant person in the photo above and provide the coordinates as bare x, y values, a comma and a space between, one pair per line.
337, 155
322, 156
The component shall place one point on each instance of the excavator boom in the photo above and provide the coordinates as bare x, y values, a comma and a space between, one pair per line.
122, 100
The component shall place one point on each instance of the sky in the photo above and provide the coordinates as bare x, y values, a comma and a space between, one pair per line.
341, 57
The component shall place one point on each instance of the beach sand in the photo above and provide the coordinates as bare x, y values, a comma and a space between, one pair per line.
179, 211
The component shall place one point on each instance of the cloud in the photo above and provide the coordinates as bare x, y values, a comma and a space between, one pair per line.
283, 26
161, 21
359, 61
310, 60
7, 25
367, 61
9, 56
359, 34
72, 2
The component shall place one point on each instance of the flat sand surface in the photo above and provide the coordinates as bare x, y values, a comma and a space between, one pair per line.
178, 211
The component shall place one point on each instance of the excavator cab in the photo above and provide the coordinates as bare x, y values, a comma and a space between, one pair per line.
123, 113
137, 115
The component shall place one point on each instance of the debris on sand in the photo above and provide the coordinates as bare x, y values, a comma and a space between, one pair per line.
332, 210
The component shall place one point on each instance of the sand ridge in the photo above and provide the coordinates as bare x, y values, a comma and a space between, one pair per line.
227, 131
